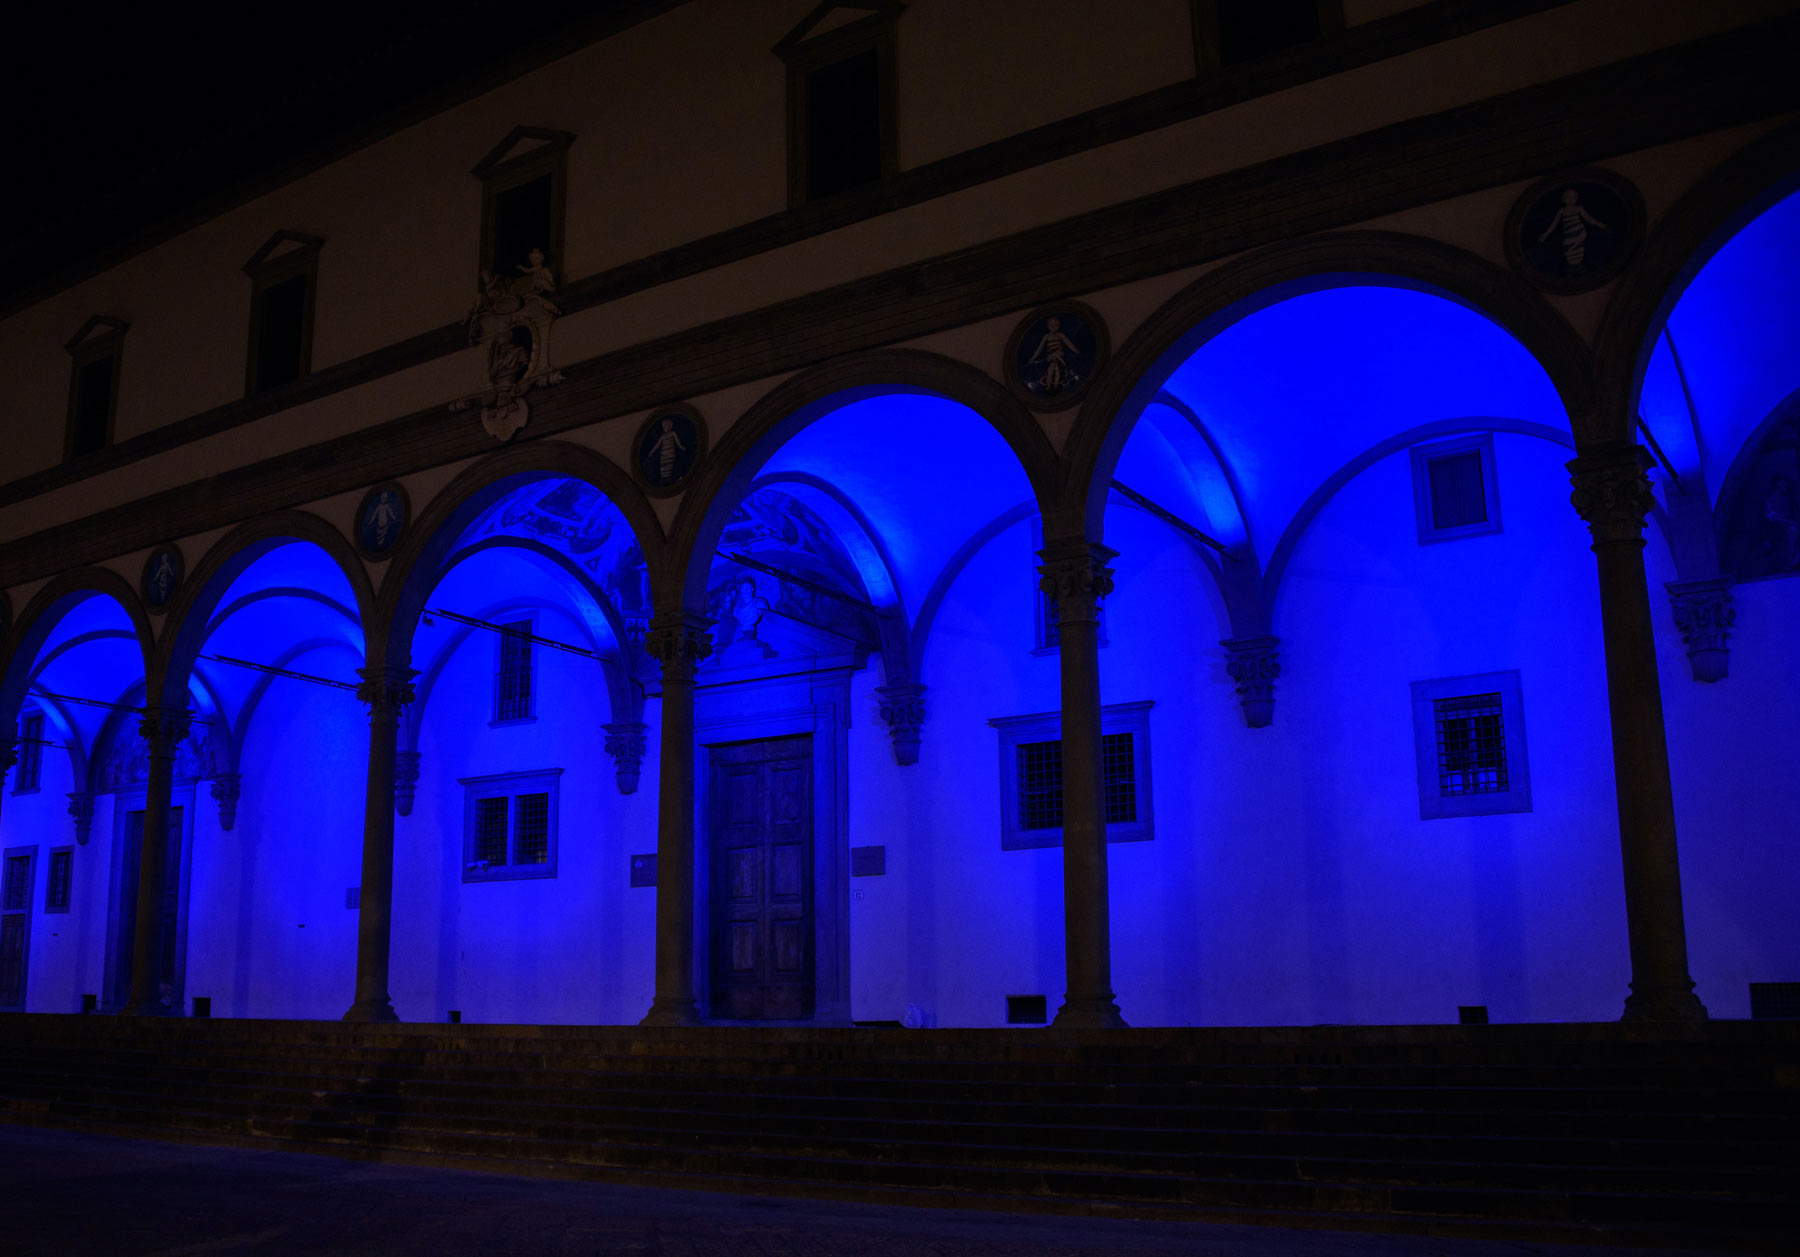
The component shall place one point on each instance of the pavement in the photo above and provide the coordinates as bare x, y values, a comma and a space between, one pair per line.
71, 1194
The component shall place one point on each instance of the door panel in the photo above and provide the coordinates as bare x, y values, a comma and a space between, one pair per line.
761, 903
16, 887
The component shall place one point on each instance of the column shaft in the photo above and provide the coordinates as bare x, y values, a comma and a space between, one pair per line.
386, 691
162, 729
1613, 494
1075, 574
678, 643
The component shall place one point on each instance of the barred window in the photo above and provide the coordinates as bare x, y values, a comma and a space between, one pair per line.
1471, 743
60, 883
1032, 777
511, 826
513, 696
16, 894
1469, 739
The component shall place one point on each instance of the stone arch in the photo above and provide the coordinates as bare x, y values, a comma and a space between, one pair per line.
41, 616
190, 617
1266, 276
803, 398
434, 534
1696, 227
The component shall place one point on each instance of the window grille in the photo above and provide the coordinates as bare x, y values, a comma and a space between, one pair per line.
27, 774
18, 883
1471, 741
531, 829
490, 831
60, 881
514, 697
1038, 781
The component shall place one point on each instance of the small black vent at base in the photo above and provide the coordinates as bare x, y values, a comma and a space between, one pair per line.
455, 1016
643, 869
1774, 1001
1472, 1014
1027, 1010
868, 861
353, 897
90, 1003
202, 1005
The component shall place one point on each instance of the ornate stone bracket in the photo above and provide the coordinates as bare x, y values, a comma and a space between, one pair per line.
227, 788
1254, 663
81, 810
1077, 576
625, 742
1705, 613
902, 710
678, 643
1612, 492
387, 691
9, 755
406, 781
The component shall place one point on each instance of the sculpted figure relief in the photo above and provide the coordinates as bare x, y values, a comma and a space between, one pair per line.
512, 318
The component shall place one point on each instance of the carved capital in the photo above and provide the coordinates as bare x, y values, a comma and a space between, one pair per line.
1705, 612
1612, 492
81, 811
625, 742
678, 643
1253, 664
406, 781
1076, 575
386, 690
902, 710
163, 729
227, 788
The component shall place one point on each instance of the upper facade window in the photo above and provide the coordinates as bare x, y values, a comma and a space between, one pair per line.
95, 352
283, 279
522, 180
514, 691
1232, 32
29, 771
840, 91
1454, 489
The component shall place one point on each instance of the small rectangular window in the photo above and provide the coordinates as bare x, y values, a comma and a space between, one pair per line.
1455, 491
281, 322
28, 773
513, 689
283, 282
59, 884
95, 353
510, 830
1469, 736
841, 100
15, 886
1032, 776
1234, 32
522, 202
524, 219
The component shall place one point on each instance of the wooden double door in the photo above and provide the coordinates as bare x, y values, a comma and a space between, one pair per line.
761, 903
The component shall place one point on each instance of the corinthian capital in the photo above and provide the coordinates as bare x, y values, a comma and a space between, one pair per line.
1254, 663
1612, 492
386, 690
678, 643
163, 728
1075, 573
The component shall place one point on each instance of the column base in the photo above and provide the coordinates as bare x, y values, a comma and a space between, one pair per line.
672, 1012
1664, 1003
381, 1008
147, 1008
1092, 1012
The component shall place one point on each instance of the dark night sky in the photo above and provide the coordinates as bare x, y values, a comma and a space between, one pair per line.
122, 117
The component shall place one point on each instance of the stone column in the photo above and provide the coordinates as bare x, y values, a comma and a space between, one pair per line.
162, 729
1074, 572
677, 642
1613, 495
387, 691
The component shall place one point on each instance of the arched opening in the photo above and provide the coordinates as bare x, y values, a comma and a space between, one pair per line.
76, 670
518, 800
1351, 584
1720, 398
871, 574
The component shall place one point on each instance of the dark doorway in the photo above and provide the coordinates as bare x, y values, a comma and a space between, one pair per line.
167, 954
761, 912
